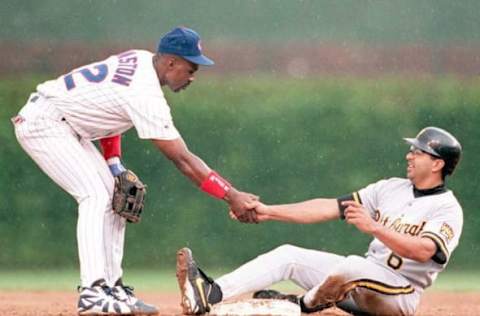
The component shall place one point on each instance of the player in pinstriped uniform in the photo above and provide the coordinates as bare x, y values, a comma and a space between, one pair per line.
100, 101
416, 224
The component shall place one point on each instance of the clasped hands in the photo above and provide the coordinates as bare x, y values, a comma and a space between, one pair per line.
247, 208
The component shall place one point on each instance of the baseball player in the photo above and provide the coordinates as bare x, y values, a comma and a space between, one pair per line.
102, 100
416, 224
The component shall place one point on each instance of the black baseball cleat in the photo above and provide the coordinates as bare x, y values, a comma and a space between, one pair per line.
275, 295
198, 291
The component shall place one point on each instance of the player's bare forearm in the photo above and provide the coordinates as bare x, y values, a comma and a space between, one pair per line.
413, 247
212, 183
186, 162
311, 211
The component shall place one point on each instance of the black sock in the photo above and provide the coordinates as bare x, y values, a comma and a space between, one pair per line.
305, 309
215, 294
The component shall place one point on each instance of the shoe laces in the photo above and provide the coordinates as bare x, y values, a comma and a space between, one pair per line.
109, 291
128, 289
105, 288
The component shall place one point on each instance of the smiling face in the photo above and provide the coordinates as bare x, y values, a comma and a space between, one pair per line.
423, 169
175, 72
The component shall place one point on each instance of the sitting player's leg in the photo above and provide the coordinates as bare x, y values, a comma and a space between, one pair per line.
360, 285
303, 266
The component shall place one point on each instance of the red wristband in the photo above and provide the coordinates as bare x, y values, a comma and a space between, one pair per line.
111, 147
215, 185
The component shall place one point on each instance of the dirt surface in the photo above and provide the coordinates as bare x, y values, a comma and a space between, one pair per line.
64, 304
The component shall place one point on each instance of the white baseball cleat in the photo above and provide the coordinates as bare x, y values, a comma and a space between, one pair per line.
125, 294
98, 300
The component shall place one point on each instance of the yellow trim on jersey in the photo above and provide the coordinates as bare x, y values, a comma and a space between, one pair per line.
356, 198
381, 287
438, 240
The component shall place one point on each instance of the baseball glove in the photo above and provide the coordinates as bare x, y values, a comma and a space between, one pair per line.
128, 196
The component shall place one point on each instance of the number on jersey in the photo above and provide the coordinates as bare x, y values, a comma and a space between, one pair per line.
91, 76
394, 261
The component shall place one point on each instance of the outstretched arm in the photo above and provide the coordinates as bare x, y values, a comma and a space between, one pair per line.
311, 211
186, 162
208, 180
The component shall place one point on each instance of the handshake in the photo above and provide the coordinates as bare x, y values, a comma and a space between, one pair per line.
246, 207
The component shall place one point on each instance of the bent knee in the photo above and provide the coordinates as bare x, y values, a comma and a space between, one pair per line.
286, 248
284, 255
96, 198
286, 251
352, 267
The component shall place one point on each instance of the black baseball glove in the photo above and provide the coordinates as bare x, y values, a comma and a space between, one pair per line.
128, 196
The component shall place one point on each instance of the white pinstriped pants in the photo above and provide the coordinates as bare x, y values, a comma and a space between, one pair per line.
310, 269
78, 167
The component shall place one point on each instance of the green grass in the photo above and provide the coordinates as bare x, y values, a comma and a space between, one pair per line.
164, 281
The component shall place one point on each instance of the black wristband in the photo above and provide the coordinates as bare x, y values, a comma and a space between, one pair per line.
349, 197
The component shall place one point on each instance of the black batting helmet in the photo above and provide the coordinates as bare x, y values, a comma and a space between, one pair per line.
439, 143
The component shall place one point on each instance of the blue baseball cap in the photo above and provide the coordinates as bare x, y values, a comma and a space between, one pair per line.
184, 42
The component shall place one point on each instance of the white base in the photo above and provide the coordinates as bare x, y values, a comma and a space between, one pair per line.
251, 307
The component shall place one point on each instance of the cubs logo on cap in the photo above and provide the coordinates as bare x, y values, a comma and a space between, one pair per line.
184, 42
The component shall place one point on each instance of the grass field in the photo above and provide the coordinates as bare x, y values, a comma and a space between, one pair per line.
164, 281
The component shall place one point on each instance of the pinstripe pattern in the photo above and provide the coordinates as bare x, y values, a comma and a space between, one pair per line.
77, 167
114, 225
57, 126
96, 110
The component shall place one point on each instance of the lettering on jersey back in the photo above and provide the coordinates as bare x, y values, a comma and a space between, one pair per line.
399, 225
127, 65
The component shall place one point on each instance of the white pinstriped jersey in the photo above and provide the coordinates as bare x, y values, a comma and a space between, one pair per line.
109, 97
437, 216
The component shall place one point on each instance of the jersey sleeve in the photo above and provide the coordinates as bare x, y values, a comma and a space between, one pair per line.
370, 196
152, 119
348, 197
444, 228
367, 196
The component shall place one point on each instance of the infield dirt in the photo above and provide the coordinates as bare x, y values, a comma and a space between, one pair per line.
63, 303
